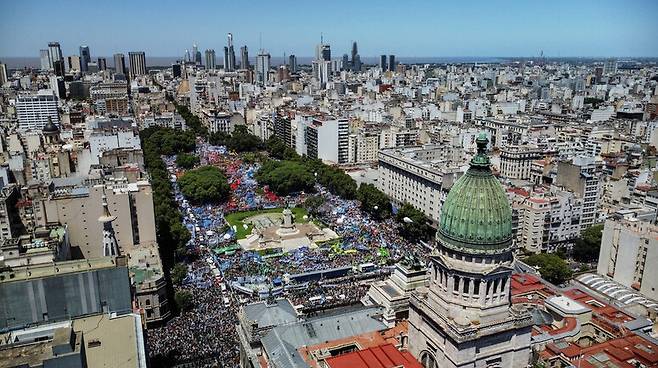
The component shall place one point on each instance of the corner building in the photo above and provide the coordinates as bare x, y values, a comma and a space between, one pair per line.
465, 318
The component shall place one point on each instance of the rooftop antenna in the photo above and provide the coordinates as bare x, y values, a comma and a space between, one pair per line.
260, 41
321, 38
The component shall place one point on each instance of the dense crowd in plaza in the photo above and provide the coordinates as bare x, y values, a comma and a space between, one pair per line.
207, 332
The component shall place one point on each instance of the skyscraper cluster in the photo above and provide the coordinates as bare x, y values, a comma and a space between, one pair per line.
387, 63
210, 59
229, 55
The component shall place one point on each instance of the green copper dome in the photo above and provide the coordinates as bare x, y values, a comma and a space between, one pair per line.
476, 216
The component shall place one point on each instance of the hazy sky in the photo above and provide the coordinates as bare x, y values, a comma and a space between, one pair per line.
402, 27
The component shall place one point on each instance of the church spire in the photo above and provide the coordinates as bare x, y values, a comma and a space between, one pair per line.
110, 244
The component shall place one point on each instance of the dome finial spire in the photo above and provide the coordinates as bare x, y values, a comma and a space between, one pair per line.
481, 160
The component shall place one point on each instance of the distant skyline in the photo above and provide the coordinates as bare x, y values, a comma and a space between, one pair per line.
560, 28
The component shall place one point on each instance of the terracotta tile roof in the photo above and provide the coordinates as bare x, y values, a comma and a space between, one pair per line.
383, 356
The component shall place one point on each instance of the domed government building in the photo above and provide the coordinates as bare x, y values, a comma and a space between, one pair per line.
465, 318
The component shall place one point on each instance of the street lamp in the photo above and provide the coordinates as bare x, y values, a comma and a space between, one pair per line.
407, 220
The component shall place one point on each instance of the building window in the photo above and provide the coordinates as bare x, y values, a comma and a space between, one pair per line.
427, 360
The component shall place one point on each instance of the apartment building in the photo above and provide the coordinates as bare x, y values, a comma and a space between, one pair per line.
547, 220
327, 139
34, 110
629, 248
77, 203
583, 177
516, 161
420, 176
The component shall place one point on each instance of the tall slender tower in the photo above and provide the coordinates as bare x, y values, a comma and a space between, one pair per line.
229, 55
391, 63
262, 67
110, 244
119, 64
44, 57
56, 58
137, 63
465, 317
210, 59
195, 49
356, 59
244, 53
85, 58
292, 63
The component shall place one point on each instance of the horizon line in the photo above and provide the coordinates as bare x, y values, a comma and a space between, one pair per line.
396, 55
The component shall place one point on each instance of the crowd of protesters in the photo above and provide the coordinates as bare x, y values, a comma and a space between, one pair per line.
206, 333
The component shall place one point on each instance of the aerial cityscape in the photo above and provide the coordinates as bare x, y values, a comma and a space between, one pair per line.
351, 185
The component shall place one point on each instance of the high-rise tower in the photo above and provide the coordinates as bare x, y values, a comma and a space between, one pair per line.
391, 63
465, 317
3, 74
44, 57
137, 63
292, 63
56, 58
196, 54
262, 67
229, 55
85, 58
356, 59
210, 59
119, 64
244, 57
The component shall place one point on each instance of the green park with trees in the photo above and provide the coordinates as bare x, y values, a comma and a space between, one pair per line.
206, 184
588, 245
414, 225
374, 201
551, 267
186, 160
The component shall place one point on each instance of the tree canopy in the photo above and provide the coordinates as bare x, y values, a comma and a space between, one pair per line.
206, 184
183, 299
240, 140
588, 245
178, 273
551, 267
333, 178
186, 160
192, 121
279, 150
285, 177
313, 203
417, 227
374, 201
171, 235
166, 141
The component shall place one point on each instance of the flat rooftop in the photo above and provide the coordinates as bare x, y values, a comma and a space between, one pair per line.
109, 342
566, 305
112, 342
59, 268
